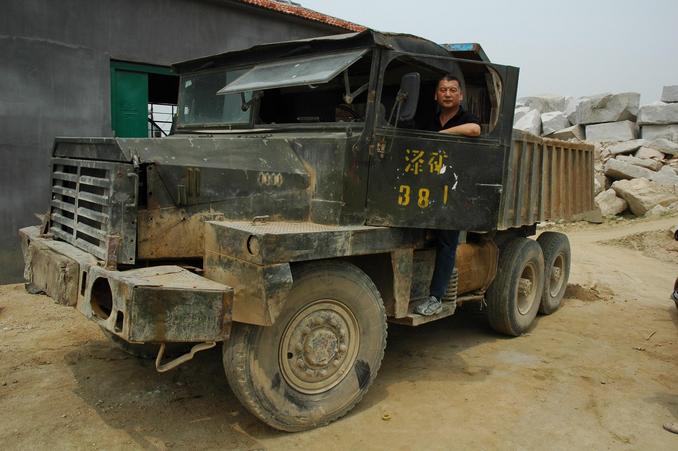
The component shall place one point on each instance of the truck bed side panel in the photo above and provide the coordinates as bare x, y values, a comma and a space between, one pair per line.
545, 179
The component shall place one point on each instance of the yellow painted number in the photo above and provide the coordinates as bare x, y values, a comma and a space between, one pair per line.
404, 196
445, 191
423, 199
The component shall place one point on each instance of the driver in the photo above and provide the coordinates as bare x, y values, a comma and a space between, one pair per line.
453, 119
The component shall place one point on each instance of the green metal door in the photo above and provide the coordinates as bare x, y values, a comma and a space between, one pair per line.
129, 103
130, 97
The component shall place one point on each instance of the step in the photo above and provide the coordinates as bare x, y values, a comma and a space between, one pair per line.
414, 319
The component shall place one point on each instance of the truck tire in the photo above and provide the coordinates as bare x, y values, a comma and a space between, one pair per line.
514, 296
319, 357
557, 259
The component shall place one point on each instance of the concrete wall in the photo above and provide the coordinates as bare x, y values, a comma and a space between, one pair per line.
55, 80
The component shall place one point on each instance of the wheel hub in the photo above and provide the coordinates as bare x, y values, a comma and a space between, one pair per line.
319, 346
526, 290
557, 276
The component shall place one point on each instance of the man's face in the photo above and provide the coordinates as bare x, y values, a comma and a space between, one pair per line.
448, 94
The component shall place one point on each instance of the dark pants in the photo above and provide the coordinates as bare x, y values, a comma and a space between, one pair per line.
446, 251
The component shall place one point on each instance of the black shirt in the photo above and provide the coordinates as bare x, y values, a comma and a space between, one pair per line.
462, 117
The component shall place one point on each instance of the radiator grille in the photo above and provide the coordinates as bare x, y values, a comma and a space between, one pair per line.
93, 207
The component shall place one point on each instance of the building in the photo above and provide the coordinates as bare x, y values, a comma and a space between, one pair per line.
98, 68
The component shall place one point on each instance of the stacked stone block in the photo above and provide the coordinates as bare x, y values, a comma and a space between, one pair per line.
636, 167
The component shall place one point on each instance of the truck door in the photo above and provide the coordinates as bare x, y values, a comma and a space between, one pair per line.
424, 179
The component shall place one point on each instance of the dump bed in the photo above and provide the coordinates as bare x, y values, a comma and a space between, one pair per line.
545, 179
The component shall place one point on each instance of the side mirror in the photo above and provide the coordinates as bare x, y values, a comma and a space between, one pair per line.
408, 95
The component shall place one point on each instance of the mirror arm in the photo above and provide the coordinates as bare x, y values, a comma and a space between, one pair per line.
399, 100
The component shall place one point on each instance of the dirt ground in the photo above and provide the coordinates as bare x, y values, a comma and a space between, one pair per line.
601, 373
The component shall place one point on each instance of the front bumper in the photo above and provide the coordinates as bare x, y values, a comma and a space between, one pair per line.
159, 304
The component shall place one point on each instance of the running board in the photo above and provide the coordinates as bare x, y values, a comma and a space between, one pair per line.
414, 319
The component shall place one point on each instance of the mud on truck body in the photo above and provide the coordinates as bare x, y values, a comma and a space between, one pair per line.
289, 216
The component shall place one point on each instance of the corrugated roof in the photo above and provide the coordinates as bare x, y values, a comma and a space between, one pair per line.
308, 14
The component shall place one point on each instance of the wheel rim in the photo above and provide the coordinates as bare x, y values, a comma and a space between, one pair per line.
527, 289
319, 346
557, 277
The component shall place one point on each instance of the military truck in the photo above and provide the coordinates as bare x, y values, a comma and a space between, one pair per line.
290, 216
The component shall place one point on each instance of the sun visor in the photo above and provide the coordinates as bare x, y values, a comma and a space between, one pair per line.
293, 72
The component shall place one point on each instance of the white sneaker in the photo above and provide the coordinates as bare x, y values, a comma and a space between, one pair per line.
429, 307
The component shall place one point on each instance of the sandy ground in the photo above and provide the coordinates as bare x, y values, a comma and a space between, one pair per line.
601, 373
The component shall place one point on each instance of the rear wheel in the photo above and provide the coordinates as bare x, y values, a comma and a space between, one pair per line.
319, 357
557, 258
514, 296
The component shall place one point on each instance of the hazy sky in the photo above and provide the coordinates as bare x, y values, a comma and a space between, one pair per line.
567, 47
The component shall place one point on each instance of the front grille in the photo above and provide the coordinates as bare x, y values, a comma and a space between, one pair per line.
93, 207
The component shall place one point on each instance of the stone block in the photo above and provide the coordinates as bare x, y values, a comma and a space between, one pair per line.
600, 182
573, 132
620, 170
611, 131
660, 210
663, 145
609, 203
666, 176
673, 163
660, 131
553, 121
647, 163
657, 210
607, 108
662, 114
642, 195
544, 104
646, 152
571, 108
626, 147
530, 122
670, 94
520, 112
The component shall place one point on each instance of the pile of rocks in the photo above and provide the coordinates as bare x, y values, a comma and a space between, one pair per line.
636, 158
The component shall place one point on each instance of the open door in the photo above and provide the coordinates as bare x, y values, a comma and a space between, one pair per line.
424, 179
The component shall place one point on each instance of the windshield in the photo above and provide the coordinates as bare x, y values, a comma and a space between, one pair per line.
313, 88
199, 103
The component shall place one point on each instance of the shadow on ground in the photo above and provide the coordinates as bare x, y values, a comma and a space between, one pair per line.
194, 402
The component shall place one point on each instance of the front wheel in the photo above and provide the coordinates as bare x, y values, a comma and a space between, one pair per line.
514, 296
319, 357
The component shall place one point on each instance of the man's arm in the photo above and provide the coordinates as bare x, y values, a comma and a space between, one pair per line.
469, 129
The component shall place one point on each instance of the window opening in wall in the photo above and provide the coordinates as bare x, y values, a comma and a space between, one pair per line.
160, 119
143, 99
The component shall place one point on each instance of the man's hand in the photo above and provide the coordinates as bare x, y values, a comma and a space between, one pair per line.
464, 130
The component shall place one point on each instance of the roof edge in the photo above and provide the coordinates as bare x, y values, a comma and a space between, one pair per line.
304, 13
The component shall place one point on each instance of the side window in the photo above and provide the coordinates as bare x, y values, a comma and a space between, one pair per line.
481, 87
483, 94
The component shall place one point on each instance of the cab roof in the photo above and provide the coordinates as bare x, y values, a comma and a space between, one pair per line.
364, 39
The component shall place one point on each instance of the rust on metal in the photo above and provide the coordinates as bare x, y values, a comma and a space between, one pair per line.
112, 244
476, 264
167, 233
402, 264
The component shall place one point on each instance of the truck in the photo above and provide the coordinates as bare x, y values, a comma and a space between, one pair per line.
291, 214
